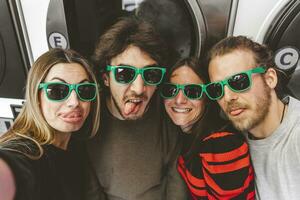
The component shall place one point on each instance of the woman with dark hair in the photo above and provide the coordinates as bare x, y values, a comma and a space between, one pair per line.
35, 158
215, 160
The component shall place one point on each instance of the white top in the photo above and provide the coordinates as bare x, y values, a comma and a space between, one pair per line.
276, 159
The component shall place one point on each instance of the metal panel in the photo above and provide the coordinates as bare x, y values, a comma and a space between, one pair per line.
12, 69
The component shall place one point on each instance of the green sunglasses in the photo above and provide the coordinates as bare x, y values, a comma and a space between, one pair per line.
238, 83
191, 91
127, 74
59, 91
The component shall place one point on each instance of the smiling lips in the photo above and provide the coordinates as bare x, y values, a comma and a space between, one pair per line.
72, 117
181, 110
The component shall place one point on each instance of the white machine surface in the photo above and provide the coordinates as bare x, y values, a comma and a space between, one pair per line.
277, 24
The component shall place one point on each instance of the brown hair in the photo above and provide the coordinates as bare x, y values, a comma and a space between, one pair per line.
210, 120
193, 63
129, 31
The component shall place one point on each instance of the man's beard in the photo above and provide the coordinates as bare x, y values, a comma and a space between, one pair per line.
258, 115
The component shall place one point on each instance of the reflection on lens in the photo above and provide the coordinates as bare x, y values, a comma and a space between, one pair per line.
87, 92
153, 76
57, 91
193, 91
239, 82
124, 75
214, 90
168, 90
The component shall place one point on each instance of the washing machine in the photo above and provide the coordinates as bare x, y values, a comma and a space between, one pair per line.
14, 61
277, 24
190, 27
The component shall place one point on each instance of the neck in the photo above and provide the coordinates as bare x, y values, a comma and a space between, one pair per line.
61, 140
271, 122
187, 129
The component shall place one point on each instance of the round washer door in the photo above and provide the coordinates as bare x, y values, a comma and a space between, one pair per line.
286, 33
180, 22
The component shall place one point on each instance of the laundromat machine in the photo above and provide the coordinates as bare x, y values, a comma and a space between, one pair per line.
28, 28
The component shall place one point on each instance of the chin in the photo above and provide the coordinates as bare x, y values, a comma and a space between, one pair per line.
179, 122
133, 117
69, 128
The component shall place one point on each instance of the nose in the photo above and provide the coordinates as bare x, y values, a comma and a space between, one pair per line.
229, 95
73, 100
138, 85
180, 98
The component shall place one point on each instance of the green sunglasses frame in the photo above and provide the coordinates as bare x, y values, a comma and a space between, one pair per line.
257, 70
181, 87
137, 72
72, 87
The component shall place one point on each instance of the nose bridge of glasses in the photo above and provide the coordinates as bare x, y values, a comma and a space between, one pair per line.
138, 84
180, 96
228, 93
72, 99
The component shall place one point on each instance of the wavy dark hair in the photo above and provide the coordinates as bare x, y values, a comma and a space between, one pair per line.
210, 121
125, 32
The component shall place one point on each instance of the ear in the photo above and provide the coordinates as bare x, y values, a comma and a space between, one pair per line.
271, 78
105, 78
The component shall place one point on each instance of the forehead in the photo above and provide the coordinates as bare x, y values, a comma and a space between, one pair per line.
69, 72
229, 64
133, 56
185, 75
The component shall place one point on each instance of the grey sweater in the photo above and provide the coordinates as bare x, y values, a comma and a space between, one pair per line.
136, 160
276, 159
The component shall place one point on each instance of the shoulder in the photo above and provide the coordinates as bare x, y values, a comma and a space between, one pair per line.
7, 190
22, 168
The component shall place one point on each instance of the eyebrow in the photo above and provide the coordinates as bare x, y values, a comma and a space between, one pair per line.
62, 80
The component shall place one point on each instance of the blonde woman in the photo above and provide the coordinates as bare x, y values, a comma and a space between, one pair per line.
35, 154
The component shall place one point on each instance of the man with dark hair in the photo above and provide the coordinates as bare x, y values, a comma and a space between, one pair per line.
244, 81
134, 155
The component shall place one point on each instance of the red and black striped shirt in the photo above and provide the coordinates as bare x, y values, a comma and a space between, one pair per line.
221, 169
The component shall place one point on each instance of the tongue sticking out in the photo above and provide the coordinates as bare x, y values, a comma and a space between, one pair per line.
131, 108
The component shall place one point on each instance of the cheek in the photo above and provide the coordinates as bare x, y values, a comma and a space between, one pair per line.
150, 90
49, 109
118, 89
221, 103
168, 103
198, 107
86, 106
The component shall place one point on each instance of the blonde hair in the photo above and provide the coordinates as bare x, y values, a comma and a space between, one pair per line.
30, 130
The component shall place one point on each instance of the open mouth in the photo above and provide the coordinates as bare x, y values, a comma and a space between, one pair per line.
181, 110
132, 106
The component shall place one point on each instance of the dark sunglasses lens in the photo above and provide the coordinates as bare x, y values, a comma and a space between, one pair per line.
193, 91
214, 90
57, 91
239, 82
168, 90
153, 76
124, 75
86, 92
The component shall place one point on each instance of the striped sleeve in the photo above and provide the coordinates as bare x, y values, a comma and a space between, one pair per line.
226, 167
